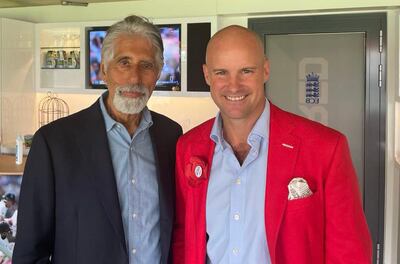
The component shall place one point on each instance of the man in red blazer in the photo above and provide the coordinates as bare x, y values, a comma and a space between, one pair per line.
258, 184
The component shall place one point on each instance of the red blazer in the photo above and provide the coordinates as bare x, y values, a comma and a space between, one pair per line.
327, 227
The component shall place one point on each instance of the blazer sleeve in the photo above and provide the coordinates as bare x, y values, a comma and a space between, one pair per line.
35, 235
178, 243
347, 235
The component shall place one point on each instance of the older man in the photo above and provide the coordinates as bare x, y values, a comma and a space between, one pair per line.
260, 185
98, 185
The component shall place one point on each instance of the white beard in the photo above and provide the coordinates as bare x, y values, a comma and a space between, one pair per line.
128, 105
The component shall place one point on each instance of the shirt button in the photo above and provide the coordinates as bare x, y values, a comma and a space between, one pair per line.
134, 251
238, 181
134, 215
235, 251
133, 181
236, 217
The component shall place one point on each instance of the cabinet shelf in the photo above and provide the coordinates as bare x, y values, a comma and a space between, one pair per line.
60, 47
60, 58
66, 68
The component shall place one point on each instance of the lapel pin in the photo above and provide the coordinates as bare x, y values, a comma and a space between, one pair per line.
198, 171
287, 146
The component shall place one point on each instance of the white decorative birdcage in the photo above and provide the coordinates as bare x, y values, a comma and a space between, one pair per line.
51, 108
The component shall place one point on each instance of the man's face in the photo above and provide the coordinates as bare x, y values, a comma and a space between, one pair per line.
9, 203
131, 74
236, 71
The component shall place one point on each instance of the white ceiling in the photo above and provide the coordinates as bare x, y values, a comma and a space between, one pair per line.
26, 3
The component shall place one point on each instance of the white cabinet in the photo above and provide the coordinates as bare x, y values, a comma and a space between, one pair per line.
17, 80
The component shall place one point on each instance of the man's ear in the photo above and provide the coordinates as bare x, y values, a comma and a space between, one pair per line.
266, 69
206, 74
103, 74
158, 75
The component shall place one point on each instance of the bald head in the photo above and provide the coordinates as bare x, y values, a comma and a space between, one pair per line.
236, 70
235, 37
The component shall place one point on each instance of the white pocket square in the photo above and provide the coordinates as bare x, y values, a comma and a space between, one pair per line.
298, 188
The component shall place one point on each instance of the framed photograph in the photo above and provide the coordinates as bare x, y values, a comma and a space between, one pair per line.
9, 197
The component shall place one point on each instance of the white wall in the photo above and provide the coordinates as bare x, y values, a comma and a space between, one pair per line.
187, 111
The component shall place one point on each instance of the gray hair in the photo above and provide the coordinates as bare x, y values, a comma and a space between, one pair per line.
133, 25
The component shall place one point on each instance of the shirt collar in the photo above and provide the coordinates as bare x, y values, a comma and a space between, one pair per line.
145, 122
216, 131
262, 124
260, 129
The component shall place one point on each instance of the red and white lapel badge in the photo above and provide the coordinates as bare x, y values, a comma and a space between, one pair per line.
196, 171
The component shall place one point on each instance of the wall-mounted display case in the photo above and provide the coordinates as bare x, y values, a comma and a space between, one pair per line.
58, 57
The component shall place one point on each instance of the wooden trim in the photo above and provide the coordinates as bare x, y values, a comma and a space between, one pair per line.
8, 166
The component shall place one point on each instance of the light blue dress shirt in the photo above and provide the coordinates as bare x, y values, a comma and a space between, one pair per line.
236, 198
136, 177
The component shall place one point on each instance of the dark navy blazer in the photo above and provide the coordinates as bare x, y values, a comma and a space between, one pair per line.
69, 210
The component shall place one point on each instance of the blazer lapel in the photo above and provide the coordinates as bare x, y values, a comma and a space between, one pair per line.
165, 178
282, 155
198, 145
203, 148
95, 149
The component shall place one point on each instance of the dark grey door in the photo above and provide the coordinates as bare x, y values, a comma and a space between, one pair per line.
331, 69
